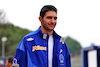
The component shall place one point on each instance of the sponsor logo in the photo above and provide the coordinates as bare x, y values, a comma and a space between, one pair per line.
30, 39
15, 63
38, 48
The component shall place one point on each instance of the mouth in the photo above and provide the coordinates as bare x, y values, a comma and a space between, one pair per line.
51, 25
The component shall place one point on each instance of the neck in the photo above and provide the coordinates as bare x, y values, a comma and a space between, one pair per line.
46, 31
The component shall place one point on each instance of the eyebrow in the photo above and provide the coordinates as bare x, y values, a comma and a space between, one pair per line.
51, 17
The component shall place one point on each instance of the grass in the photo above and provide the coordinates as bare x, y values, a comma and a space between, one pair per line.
76, 61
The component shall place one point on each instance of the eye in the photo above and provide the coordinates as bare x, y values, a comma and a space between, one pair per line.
55, 18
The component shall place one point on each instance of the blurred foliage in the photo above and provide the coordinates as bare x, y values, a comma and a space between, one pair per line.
14, 35
74, 46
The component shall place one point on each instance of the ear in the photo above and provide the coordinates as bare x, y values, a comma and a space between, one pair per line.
40, 18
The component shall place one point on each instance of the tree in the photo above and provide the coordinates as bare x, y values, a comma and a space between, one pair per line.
14, 35
3, 18
73, 45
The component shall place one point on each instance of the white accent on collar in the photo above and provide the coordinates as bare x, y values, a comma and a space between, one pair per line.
44, 36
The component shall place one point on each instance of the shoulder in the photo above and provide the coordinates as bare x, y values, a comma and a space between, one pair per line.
31, 34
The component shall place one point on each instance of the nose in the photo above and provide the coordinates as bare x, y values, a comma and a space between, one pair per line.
53, 20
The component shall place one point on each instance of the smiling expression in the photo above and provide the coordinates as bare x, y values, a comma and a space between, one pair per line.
49, 20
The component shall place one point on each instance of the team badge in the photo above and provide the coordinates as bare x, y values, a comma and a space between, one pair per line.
61, 58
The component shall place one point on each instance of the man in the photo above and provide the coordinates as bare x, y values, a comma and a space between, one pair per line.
44, 47
9, 62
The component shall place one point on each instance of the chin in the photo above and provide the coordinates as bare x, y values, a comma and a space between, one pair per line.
51, 29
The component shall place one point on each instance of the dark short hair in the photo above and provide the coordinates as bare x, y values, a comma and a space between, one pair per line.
10, 59
47, 8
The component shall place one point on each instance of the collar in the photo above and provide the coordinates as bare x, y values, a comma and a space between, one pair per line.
46, 36
42, 35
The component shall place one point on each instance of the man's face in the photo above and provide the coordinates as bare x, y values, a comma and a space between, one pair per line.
49, 20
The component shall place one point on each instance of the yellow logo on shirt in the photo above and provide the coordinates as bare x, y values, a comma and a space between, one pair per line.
38, 48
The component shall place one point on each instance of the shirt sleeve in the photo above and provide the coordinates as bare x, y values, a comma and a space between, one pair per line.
20, 56
68, 57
